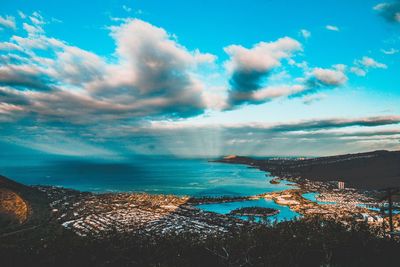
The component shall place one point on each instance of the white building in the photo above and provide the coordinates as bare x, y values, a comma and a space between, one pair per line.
341, 185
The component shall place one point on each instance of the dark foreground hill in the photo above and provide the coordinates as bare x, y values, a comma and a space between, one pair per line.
21, 206
371, 170
300, 243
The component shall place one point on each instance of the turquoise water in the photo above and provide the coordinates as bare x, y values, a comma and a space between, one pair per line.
313, 197
285, 213
158, 175
394, 211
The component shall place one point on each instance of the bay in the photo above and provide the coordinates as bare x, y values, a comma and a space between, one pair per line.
156, 175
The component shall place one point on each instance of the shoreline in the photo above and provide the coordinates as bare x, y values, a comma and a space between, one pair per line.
292, 198
345, 207
96, 213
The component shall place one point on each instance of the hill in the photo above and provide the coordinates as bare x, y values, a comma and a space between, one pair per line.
21, 206
370, 170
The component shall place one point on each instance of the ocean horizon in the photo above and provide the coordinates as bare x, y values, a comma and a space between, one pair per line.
150, 174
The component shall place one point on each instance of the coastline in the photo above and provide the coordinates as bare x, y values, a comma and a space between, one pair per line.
348, 204
92, 213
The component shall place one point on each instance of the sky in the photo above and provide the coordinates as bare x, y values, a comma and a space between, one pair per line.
111, 79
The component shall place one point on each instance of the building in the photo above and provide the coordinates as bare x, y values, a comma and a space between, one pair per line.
341, 185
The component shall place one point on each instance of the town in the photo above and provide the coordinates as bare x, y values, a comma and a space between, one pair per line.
99, 215
333, 201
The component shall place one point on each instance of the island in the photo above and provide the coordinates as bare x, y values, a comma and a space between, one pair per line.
254, 211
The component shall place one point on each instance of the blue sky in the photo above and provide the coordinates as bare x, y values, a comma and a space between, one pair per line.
199, 78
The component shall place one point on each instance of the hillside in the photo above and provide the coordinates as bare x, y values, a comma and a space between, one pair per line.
13, 209
370, 170
20, 206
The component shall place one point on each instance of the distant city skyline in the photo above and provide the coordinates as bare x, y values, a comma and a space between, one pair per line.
110, 79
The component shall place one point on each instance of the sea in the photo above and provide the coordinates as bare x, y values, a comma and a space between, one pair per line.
155, 175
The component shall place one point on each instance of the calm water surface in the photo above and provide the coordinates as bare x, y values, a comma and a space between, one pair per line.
285, 214
313, 197
158, 175
166, 175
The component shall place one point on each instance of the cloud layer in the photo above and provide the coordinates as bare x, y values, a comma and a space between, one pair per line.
151, 76
54, 95
309, 137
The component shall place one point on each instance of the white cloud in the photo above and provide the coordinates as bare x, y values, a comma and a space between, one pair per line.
340, 67
380, 6
292, 126
31, 29
358, 71
332, 28
372, 63
152, 75
156, 67
262, 56
390, 11
248, 67
55, 20
9, 46
272, 92
330, 77
204, 57
309, 99
126, 8
390, 51
21, 14
76, 66
8, 22
37, 18
314, 136
305, 33
362, 66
